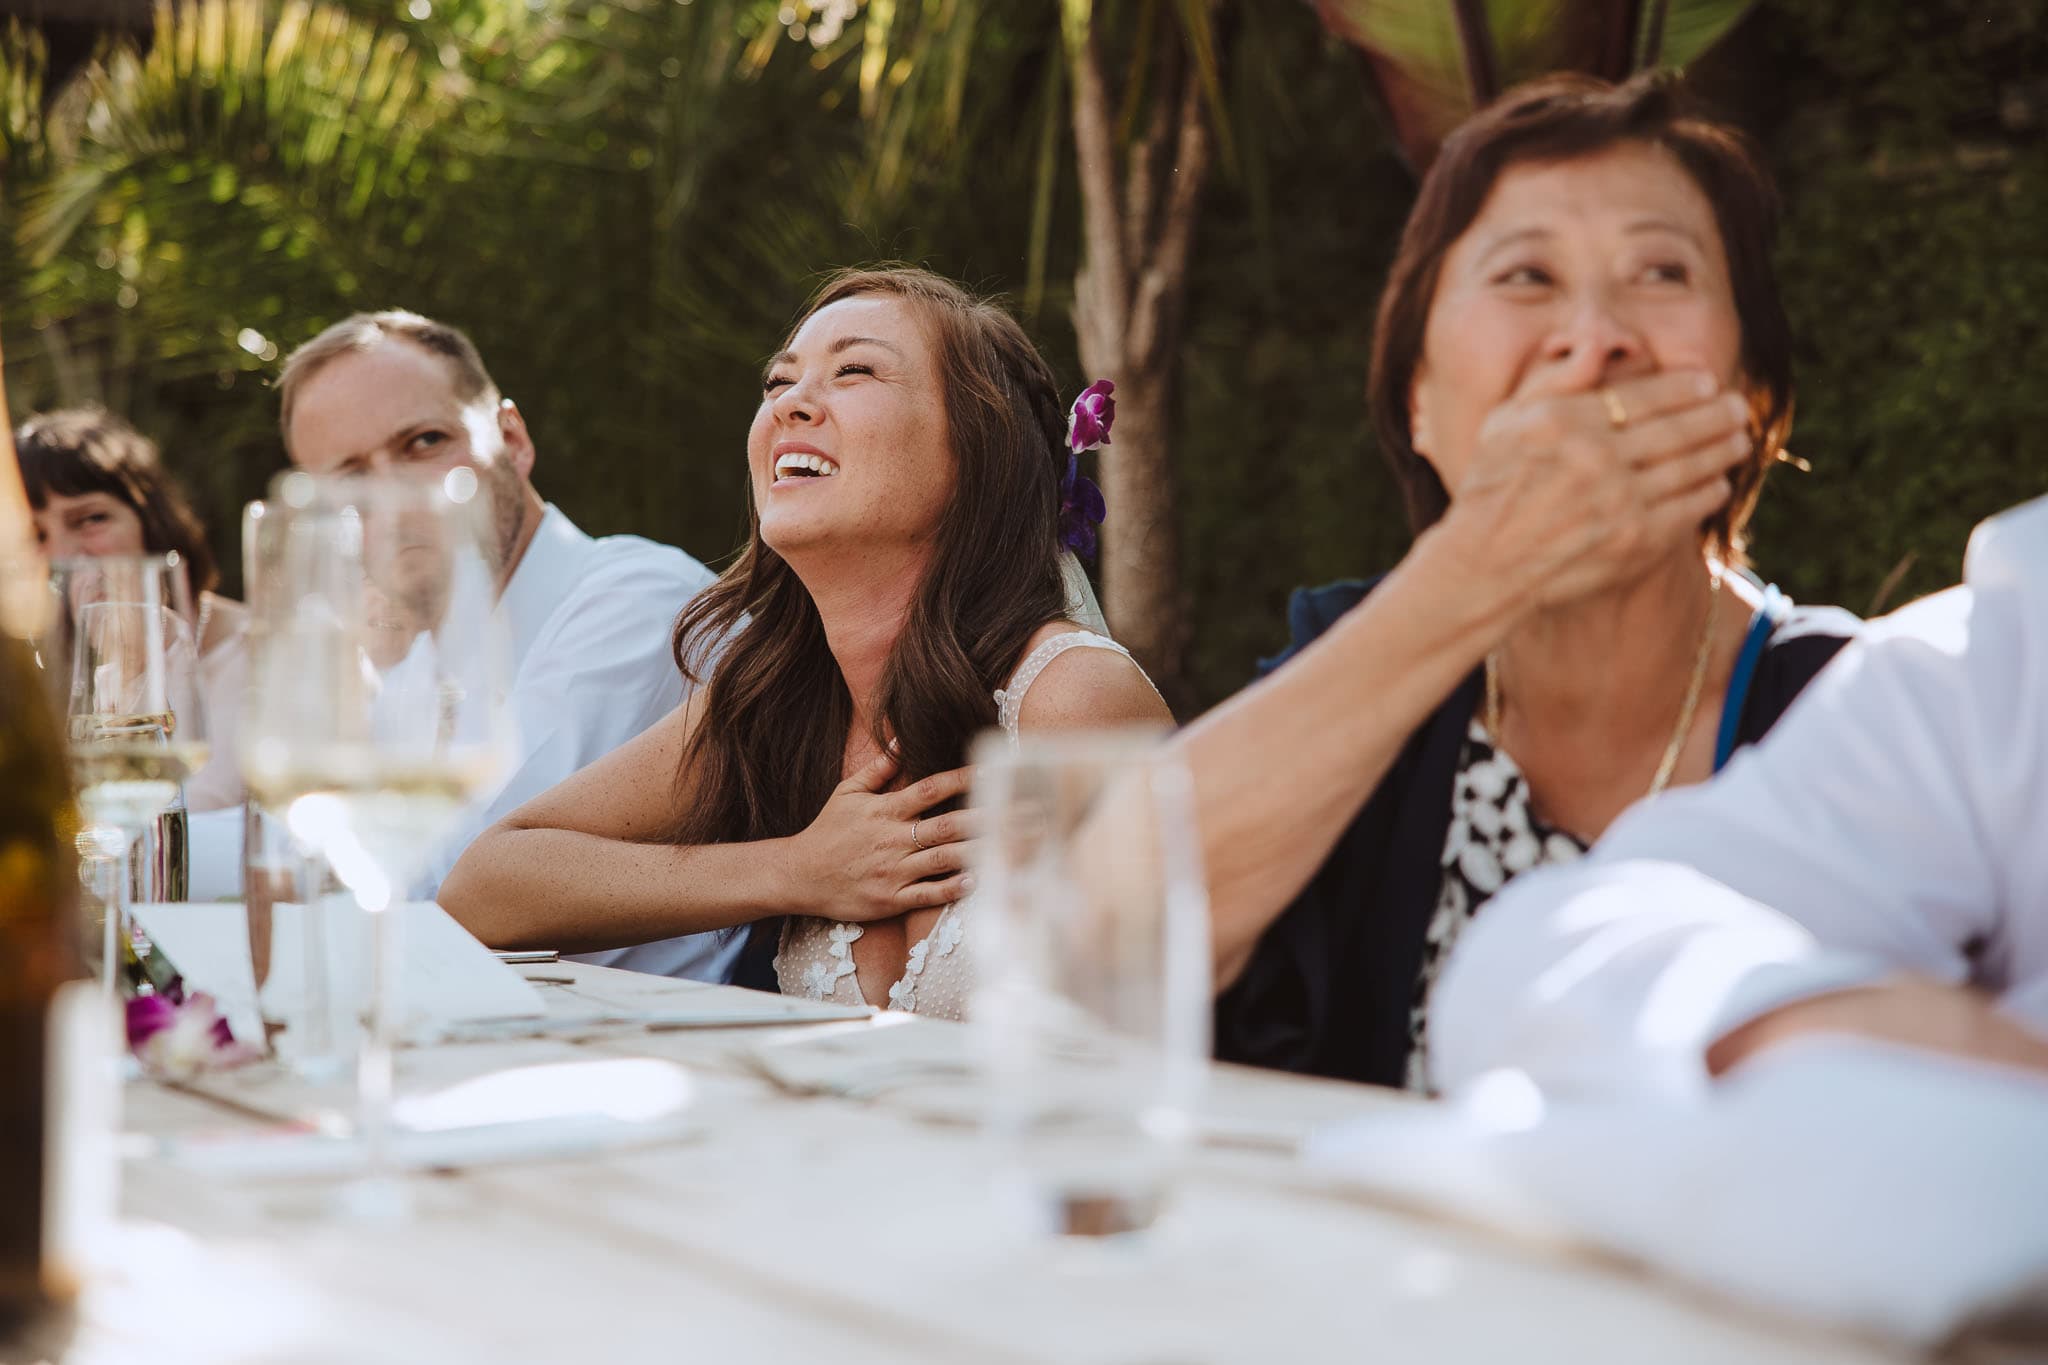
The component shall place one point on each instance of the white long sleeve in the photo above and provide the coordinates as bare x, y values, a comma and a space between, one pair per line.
1895, 820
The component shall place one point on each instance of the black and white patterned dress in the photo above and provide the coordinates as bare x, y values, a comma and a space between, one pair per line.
1494, 836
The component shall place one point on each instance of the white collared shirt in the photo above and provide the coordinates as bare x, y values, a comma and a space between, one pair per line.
589, 622
1895, 821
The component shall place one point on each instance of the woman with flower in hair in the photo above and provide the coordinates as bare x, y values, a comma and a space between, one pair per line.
908, 582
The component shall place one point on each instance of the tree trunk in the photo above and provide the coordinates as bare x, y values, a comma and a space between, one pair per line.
1138, 221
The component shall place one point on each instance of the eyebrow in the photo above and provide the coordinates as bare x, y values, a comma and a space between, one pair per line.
1666, 225
1641, 225
844, 343
1508, 239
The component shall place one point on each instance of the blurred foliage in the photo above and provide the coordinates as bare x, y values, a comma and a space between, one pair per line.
1436, 61
625, 201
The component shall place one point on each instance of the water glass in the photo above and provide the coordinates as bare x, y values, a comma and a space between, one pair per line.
1092, 974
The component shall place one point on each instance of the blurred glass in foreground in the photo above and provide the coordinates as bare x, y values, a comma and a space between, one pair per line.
377, 708
1092, 974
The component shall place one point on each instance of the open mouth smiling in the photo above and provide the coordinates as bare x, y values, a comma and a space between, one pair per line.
797, 464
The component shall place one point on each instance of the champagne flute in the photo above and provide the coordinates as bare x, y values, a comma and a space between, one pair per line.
278, 867
137, 729
377, 709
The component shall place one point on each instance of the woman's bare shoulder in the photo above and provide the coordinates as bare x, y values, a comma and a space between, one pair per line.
1088, 687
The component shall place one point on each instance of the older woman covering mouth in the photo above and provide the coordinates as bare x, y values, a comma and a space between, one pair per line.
1581, 373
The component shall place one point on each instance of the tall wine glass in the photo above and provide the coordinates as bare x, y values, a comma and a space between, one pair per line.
126, 629
376, 708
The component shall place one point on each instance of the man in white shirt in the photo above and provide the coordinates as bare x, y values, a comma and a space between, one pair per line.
589, 619
1877, 867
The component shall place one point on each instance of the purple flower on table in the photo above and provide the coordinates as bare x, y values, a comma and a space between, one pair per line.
175, 1034
149, 1015
1081, 509
1089, 420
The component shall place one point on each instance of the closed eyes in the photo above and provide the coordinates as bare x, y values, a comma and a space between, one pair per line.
777, 381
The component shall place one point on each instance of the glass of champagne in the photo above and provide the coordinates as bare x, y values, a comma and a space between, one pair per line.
279, 869
376, 710
1092, 974
137, 729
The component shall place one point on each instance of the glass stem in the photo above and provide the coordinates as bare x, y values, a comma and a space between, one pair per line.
374, 1069
309, 878
114, 931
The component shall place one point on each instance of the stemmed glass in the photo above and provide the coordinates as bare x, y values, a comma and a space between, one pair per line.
376, 710
1092, 973
122, 634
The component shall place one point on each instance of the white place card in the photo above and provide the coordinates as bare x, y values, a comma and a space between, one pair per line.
447, 976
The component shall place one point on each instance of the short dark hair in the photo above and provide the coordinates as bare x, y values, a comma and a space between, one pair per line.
1558, 118
77, 451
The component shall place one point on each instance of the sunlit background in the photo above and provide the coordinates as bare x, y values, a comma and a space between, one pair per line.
624, 201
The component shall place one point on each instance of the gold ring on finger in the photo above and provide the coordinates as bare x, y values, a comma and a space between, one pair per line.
1617, 415
913, 835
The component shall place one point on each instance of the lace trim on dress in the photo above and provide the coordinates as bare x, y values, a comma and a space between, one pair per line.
816, 957
946, 935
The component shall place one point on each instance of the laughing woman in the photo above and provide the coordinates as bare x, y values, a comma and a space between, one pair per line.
902, 589
1581, 372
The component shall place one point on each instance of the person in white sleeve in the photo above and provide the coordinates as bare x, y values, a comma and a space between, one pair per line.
1877, 867
589, 619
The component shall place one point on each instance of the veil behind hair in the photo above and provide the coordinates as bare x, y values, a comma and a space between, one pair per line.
1082, 608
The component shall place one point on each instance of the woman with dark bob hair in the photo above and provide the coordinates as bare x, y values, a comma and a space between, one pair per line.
1580, 374
902, 588
98, 487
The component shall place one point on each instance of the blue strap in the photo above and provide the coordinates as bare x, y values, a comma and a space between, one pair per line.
1768, 613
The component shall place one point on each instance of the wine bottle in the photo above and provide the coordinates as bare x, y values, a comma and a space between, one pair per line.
40, 961
38, 944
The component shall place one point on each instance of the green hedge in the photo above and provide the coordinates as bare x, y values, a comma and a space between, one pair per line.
1911, 141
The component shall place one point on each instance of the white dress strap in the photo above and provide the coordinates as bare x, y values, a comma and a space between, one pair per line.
1010, 700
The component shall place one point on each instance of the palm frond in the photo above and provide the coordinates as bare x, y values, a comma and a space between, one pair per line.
1435, 61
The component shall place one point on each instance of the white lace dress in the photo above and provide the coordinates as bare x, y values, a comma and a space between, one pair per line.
815, 959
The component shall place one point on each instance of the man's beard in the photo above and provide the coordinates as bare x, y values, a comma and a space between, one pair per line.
505, 492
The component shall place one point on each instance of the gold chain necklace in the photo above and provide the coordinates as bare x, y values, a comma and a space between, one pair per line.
1683, 729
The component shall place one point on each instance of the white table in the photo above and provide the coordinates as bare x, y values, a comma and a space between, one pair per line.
810, 1228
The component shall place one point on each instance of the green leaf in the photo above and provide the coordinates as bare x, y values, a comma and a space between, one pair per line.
1435, 61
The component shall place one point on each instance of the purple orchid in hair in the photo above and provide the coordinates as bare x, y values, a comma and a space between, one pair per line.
1081, 509
1093, 413
1081, 506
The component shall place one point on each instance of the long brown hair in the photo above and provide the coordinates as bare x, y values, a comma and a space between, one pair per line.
1559, 118
769, 745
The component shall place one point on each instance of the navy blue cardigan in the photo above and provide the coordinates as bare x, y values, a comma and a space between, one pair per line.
1328, 988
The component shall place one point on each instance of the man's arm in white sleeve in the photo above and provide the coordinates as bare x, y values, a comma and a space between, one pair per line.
601, 674
1868, 835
